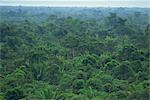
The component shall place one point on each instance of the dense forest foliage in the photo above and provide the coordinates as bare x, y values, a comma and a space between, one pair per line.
74, 53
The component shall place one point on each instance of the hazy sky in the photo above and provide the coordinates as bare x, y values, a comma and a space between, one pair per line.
76, 3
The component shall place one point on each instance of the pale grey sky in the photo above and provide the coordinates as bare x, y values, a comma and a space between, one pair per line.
77, 3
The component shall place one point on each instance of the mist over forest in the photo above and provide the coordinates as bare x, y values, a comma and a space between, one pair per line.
74, 53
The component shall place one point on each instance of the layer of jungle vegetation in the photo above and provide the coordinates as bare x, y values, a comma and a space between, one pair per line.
74, 53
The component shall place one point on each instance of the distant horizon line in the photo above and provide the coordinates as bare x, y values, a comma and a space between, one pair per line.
69, 6
77, 3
